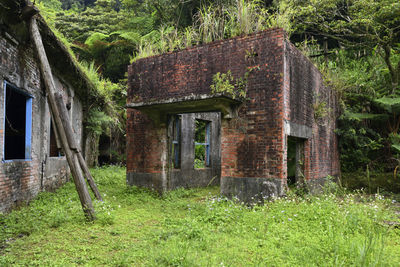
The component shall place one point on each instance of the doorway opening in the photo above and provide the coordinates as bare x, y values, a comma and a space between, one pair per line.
295, 161
176, 142
194, 149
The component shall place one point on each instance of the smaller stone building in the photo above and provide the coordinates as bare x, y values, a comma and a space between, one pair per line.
180, 133
30, 158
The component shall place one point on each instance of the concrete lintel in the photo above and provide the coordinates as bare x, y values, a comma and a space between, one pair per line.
297, 130
157, 110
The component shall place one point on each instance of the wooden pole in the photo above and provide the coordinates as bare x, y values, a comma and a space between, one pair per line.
73, 146
82, 163
89, 177
79, 181
63, 113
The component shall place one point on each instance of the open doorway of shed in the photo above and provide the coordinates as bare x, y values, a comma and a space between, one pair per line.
111, 148
295, 160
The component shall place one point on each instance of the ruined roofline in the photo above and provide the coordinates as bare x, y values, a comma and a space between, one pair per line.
297, 52
190, 71
50, 36
266, 32
215, 43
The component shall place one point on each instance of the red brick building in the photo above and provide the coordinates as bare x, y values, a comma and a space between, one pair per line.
181, 134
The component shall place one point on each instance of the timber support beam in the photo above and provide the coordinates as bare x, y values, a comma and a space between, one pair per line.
64, 129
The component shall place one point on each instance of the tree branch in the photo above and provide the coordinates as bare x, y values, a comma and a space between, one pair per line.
393, 75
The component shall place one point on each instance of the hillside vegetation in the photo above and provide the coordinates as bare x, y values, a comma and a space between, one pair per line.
355, 44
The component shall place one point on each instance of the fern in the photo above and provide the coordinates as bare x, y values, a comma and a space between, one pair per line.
391, 105
95, 37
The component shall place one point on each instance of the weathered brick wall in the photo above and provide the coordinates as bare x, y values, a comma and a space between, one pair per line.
145, 144
306, 92
281, 89
21, 180
248, 142
190, 71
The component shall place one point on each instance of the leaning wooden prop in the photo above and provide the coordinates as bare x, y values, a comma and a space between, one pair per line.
62, 124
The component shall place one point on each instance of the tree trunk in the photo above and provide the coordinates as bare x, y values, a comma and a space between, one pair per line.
394, 72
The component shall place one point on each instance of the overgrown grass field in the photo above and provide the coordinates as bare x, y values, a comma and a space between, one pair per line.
198, 227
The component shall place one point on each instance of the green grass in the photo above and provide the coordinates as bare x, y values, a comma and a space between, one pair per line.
198, 227
378, 182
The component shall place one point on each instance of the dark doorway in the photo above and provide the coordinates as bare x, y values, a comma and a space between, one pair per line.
291, 161
176, 142
105, 156
295, 160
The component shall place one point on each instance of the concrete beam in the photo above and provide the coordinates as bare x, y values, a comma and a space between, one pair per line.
158, 110
297, 130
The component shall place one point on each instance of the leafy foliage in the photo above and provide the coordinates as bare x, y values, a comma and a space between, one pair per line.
200, 149
363, 65
112, 114
360, 24
225, 83
212, 22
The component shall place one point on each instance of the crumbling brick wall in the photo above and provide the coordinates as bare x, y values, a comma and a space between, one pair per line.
21, 180
280, 91
313, 104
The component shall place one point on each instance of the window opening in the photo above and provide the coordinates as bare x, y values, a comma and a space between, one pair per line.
17, 123
176, 142
54, 150
202, 144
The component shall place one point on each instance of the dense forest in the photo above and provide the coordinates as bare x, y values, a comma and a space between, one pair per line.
355, 44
